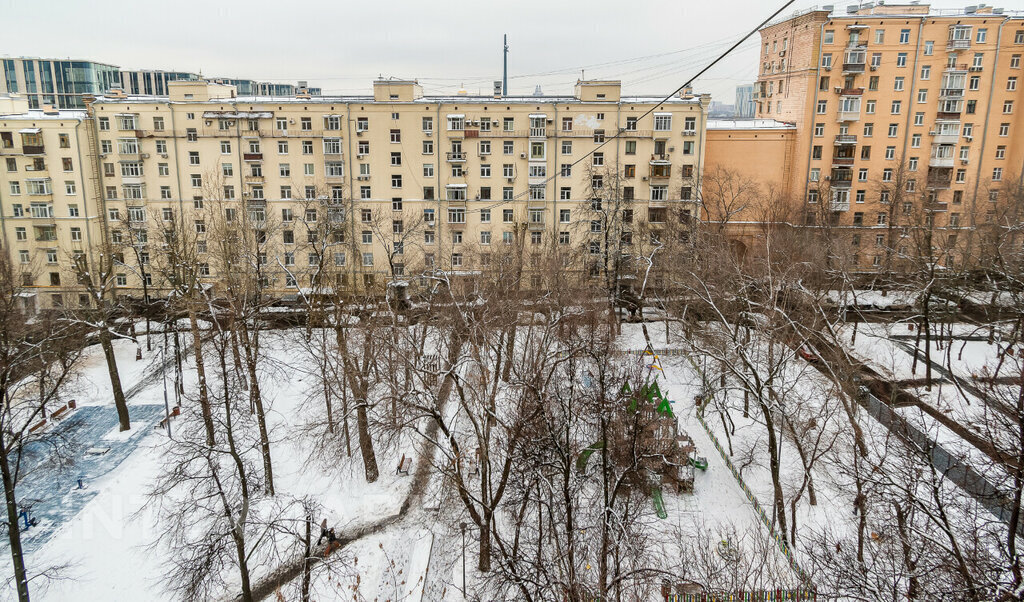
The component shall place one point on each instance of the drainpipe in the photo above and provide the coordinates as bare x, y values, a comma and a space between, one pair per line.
814, 104
85, 204
912, 99
988, 114
351, 195
554, 180
699, 168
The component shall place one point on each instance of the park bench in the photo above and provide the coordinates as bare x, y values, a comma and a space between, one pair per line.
404, 465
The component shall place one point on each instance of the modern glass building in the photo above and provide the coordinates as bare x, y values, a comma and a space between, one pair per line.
55, 81
152, 82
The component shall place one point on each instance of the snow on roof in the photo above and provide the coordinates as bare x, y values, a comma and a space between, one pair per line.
39, 115
749, 124
451, 99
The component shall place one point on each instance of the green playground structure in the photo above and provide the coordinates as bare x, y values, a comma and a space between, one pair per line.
581, 462
698, 462
659, 504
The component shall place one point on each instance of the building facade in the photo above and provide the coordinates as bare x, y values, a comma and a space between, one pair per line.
378, 188
745, 101
56, 82
897, 102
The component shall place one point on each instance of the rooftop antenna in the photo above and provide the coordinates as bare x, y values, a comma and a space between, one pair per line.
504, 72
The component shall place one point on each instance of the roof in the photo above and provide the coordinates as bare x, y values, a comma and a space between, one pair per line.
41, 116
450, 99
749, 124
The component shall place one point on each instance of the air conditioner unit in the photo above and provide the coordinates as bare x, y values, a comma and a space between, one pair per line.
839, 89
163, 155
103, 154
782, 53
671, 149
933, 133
874, 67
827, 67
291, 121
362, 178
968, 138
522, 155
144, 155
428, 133
209, 122
644, 178
963, 161
509, 180
359, 132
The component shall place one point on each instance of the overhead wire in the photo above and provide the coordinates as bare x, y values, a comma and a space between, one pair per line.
618, 134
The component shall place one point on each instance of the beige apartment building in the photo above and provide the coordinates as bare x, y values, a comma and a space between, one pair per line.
372, 189
887, 94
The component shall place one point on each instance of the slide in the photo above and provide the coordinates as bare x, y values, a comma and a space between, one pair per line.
659, 504
581, 462
698, 462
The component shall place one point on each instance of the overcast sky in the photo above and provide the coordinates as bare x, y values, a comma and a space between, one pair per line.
653, 47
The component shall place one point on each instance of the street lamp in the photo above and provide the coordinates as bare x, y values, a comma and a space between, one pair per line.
462, 526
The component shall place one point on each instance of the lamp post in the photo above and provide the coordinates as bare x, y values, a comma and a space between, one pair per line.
462, 526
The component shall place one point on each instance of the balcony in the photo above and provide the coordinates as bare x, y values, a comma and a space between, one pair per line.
659, 159
456, 157
33, 149
950, 115
252, 156
846, 139
853, 67
842, 161
253, 178
848, 116
839, 205
851, 91
535, 226
538, 132
955, 68
940, 162
958, 44
951, 93
936, 207
944, 137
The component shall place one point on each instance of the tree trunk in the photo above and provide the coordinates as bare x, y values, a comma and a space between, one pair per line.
256, 399
365, 442
115, 379
484, 563
204, 397
306, 561
13, 529
773, 450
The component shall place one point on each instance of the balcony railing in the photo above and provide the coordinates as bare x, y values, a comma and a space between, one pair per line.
939, 181
956, 67
846, 139
940, 137
954, 115
852, 91
843, 161
958, 44
252, 156
839, 205
456, 156
940, 162
848, 116
853, 67
34, 149
951, 93
538, 132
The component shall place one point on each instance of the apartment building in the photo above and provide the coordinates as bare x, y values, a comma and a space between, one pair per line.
380, 187
929, 98
48, 216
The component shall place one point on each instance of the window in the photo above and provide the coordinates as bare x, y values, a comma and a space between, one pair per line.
901, 59
898, 84
822, 107
1000, 152
869, 107
912, 164
915, 141
887, 175
1015, 61
485, 170
904, 36
819, 129
1007, 107
1004, 129
307, 147
163, 169
893, 129
865, 152
890, 152
830, 36
815, 174
816, 152
862, 174
926, 71
922, 96
1011, 84
428, 147
662, 123
997, 174
982, 35
396, 136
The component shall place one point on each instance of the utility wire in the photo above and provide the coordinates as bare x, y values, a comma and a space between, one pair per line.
618, 134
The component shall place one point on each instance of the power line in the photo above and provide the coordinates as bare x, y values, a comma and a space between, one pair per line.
655, 106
